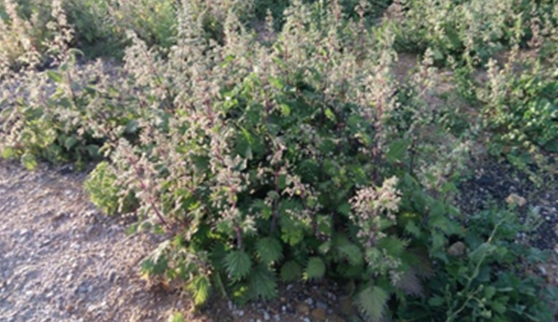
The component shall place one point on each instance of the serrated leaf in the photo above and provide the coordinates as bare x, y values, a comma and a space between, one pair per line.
237, 264
315, 269
409, 283
325, 247
70, 142
372, 302
351, 253
412, 229
263, 284
200, 288
396, 151
392, 245
93, 150
291, 271
269, 250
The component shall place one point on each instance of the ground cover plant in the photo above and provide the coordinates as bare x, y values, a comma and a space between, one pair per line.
302, 158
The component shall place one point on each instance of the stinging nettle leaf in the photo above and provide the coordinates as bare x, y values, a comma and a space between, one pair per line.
237, 264
315, 269
291, 271
269, 250
263, 284
372, 302
200, 288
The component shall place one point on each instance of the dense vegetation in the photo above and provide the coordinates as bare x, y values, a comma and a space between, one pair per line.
279, 141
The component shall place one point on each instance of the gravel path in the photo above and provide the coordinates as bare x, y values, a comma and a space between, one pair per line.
62, 261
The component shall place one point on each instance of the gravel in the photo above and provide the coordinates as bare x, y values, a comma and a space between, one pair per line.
57, 266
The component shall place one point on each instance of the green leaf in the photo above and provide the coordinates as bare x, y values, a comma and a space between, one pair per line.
392, 245
237, 264
70, 142
489, 292
315, 269
412, 229
372, 302
269, 250
29, 161
200, 288
325, 247
7, 153
396, 151
263, 284
54, 76
285, 109
351, 253
329, 114
435, 301
176, 317
291, 271
93, 150
500, 308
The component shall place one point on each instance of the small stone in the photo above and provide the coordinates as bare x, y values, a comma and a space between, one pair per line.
113, 277
306, 320
542, 270
321, 305
266, 316
319, 314
516, 199
335, 318
457, 249
303, 308
277, 318
309, 301
81, 289
240, 313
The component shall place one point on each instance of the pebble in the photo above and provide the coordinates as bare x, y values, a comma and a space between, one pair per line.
309, 301
321, 305
303, 308
542, 270
319, 314
266, 316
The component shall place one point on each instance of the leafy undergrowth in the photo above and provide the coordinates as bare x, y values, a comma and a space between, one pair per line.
304, 158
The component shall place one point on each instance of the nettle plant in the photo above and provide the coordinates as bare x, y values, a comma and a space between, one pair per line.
297, 161
66, 113
285, 163
474, 30
520, 108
